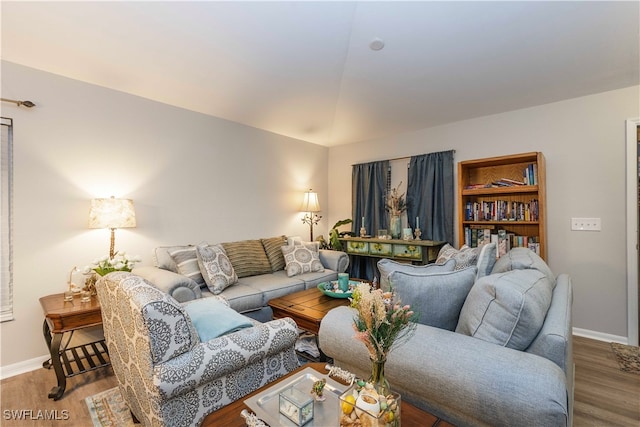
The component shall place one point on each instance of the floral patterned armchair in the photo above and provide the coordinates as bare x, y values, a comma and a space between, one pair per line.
166, 375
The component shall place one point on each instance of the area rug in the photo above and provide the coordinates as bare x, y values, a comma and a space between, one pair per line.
107, 409
628, 357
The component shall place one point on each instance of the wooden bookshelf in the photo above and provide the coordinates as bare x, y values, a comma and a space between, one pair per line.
520, 210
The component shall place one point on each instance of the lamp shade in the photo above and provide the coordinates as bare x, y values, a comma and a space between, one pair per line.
112, 213
310, 202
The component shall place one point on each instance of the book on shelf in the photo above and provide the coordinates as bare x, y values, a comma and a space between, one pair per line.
476, 236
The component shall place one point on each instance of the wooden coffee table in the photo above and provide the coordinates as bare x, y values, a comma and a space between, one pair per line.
229, 416
306, 308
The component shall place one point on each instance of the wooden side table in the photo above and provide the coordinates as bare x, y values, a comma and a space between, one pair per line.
68, 316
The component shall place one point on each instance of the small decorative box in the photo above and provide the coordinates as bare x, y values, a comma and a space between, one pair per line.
296, 405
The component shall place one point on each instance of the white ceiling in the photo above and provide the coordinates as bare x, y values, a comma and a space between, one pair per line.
305, 69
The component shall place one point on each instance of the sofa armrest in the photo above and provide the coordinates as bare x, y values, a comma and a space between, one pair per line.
224, 355
334, 260
459, 378
178, 286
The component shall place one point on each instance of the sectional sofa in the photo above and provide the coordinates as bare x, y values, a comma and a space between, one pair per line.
260, 272
493, 347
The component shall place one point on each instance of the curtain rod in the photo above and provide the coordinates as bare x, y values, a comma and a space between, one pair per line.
400, 158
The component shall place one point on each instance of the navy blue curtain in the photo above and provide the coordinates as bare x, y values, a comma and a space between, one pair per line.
368, 182
430, 195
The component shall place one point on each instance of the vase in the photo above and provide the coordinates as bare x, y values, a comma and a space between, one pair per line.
395, 226
377, 378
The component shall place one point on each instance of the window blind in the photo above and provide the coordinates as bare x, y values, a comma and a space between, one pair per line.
6, 193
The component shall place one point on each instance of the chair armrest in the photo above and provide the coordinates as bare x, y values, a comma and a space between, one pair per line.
334, 260
178, 286
221, 356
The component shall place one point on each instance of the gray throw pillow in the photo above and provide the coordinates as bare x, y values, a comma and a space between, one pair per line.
438, 297
486, 260
387, 266
521, 259
507, 309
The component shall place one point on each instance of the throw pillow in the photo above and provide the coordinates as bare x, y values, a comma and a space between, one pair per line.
464, 257
187, 263
248, 258
521, 259
486, 260
216, 268
507, 309
437, 297
387, 266
273, 248
301, 259
213, 318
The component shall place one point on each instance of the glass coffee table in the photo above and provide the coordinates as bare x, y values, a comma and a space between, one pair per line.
229, 416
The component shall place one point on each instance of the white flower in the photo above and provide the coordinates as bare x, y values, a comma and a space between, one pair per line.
119, 265
104, 258
86, 269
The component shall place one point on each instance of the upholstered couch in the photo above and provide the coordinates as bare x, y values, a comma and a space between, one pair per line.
168, 372
259, 271
494, 346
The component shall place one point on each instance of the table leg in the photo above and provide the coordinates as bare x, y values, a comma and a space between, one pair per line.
54, 350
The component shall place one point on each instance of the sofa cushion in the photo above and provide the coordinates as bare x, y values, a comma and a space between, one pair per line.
301, 259
213, 318
437, 297
520, 259
272, 247
187, 263
486, 260
215, 267
387, 266
240, 297
507, 309
247, 257
274, 285
464, 257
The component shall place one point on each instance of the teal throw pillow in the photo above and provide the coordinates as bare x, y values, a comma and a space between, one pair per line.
213, 318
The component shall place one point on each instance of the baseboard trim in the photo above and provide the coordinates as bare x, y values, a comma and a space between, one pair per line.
600, 336
22, 367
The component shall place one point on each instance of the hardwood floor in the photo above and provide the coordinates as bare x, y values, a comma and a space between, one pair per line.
604, 395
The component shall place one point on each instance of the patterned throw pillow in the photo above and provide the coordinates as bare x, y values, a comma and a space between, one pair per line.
248, 258
301, 259
273, 248
465, 257
216, 268
187, 262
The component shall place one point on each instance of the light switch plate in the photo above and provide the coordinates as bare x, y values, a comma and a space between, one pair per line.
586, 224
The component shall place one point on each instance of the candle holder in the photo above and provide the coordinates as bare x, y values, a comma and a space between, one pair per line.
418, 233
363, 232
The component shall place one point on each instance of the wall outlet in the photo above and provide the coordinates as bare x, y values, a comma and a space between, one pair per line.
586, 224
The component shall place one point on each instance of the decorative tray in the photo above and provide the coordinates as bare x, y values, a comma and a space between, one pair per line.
327, 288
325, 413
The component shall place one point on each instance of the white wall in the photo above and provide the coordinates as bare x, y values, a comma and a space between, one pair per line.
583, 141
192, 178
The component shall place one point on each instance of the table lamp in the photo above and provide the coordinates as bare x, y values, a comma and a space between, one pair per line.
112, 213
310, 205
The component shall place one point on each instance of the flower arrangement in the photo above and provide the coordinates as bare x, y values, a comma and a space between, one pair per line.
396, 203
382, 321
121, 261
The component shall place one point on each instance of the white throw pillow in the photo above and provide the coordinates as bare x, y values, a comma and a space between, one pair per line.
216, 269
301, 259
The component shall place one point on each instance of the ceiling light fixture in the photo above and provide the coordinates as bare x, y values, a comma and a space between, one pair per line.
376, 44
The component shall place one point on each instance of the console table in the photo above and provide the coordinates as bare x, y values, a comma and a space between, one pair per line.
414, 251
68, 316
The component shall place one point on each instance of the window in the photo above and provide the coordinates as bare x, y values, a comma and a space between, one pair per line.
6, 193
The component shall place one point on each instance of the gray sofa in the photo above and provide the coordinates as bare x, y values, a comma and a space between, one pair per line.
260, 267
491, 367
